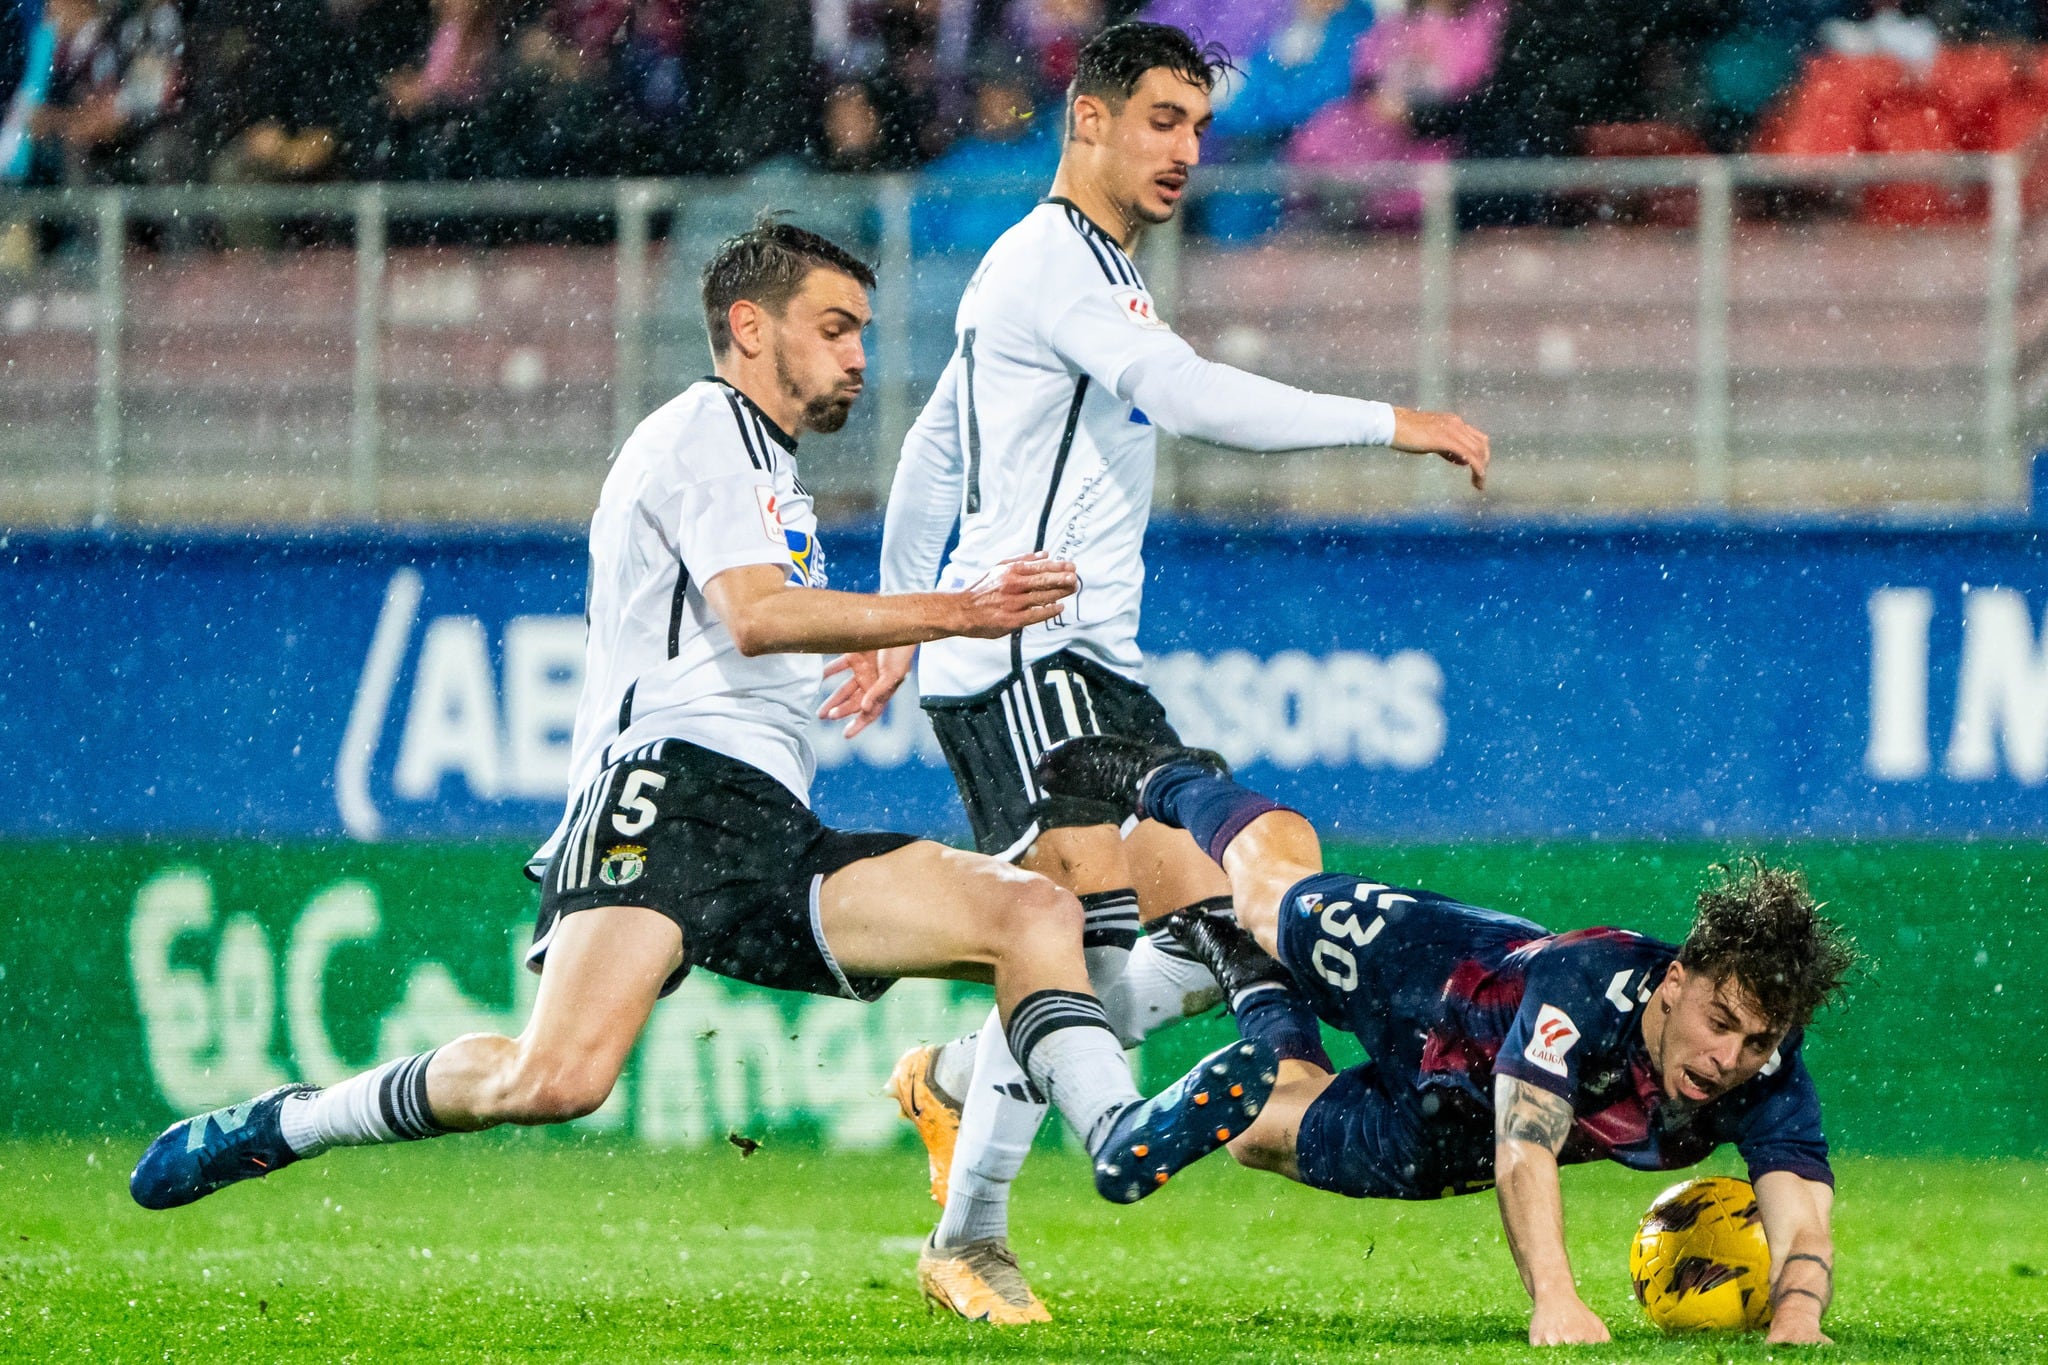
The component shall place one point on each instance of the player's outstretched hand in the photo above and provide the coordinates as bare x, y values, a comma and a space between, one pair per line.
1018, 592
1448, 436
872, 678
1566, 1323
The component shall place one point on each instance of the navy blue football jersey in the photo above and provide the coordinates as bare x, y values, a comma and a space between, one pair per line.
1444, 996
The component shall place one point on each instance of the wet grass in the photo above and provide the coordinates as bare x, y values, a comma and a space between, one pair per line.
510, 1249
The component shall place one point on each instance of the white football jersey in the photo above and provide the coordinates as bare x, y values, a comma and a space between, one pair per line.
705, 484
1054, 459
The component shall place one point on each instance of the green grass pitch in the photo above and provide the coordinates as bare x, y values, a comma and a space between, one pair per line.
530, 1246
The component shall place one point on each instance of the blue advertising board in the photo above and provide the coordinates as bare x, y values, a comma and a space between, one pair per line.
1394, 683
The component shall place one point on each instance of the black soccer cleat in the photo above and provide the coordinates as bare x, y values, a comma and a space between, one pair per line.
197, 1156
1228, 950
1110, 770
1186, 1121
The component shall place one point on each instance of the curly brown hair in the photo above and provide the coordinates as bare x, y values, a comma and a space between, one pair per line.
1760, 925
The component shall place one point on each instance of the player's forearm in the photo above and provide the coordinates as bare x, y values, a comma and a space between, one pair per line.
1190, 396
1795, 1214
1532, 1213
821, 621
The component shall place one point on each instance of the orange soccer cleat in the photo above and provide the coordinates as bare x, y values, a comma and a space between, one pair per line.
935, 1114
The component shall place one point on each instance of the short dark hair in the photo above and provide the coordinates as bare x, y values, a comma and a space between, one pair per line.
1116, 59
1760, 925
767, 264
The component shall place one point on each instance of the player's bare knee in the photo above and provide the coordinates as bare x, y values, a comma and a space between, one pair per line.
1046, 912
1257, 1149
1032, 916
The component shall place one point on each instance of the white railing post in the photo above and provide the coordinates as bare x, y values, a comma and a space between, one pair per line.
2002, 479
1711, 481
892, 331
1433, 324
109, 317
366, 418
629, 307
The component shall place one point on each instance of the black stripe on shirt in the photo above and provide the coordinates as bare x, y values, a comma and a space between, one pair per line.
973, 427
1086, 229
746, 439
675, 610
626, 705
1059, 467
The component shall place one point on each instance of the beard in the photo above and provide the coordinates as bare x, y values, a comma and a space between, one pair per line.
826, 415
823, 413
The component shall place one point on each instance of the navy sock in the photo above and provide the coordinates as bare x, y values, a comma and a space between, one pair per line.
1192, 797
1281, 1019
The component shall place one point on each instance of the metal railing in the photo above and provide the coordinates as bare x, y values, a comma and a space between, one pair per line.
656, 231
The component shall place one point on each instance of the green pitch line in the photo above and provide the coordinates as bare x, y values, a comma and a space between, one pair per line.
518, 1249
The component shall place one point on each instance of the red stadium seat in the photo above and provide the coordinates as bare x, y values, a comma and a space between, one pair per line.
1915, 120
1828, 111
1975, 80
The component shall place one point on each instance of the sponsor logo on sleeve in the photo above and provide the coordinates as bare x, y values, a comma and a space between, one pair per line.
1551, 1039
1137, 306
771, 512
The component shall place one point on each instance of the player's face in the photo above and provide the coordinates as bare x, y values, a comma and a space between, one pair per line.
1153, 142
819, 358
1714, 1036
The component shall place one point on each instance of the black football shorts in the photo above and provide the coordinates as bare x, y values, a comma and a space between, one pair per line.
721, 848
992, 738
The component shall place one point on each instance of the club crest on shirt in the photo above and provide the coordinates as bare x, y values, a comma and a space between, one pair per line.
622, 865
1137, 306
1551, 1039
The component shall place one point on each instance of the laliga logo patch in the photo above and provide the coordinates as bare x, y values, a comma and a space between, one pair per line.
1552, 1039
1137, 306
771, 513
1308, 902
622, 865
806, 559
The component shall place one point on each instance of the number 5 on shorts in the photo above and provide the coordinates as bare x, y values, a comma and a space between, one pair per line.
633, 797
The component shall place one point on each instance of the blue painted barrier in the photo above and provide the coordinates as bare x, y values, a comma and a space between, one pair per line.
1397, 682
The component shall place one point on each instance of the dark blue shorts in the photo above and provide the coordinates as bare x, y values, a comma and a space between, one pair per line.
1363, 1140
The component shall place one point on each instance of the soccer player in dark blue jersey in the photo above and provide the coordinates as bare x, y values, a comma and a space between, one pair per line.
1500, 1051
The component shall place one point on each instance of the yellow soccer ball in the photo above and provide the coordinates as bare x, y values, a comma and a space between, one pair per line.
1699, 1261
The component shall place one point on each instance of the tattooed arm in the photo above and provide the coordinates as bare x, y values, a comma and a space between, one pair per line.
1529, 1128
1795, 1213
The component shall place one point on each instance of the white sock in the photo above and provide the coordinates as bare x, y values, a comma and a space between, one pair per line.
998, 1120
1109, 926
1160, 985
385, 1104
1062, 1038
953, 1069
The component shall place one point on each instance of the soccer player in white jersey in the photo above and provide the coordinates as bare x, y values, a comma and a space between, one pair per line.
1040, 437
688, 839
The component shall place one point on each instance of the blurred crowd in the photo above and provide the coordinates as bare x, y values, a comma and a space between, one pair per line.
239, 91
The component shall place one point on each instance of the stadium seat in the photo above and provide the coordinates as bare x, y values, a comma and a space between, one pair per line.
1914, 119
1828, 111
1975, 80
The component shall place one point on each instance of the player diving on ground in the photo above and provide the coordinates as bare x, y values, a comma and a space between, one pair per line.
688, 839
1498, 1050
1041, 436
